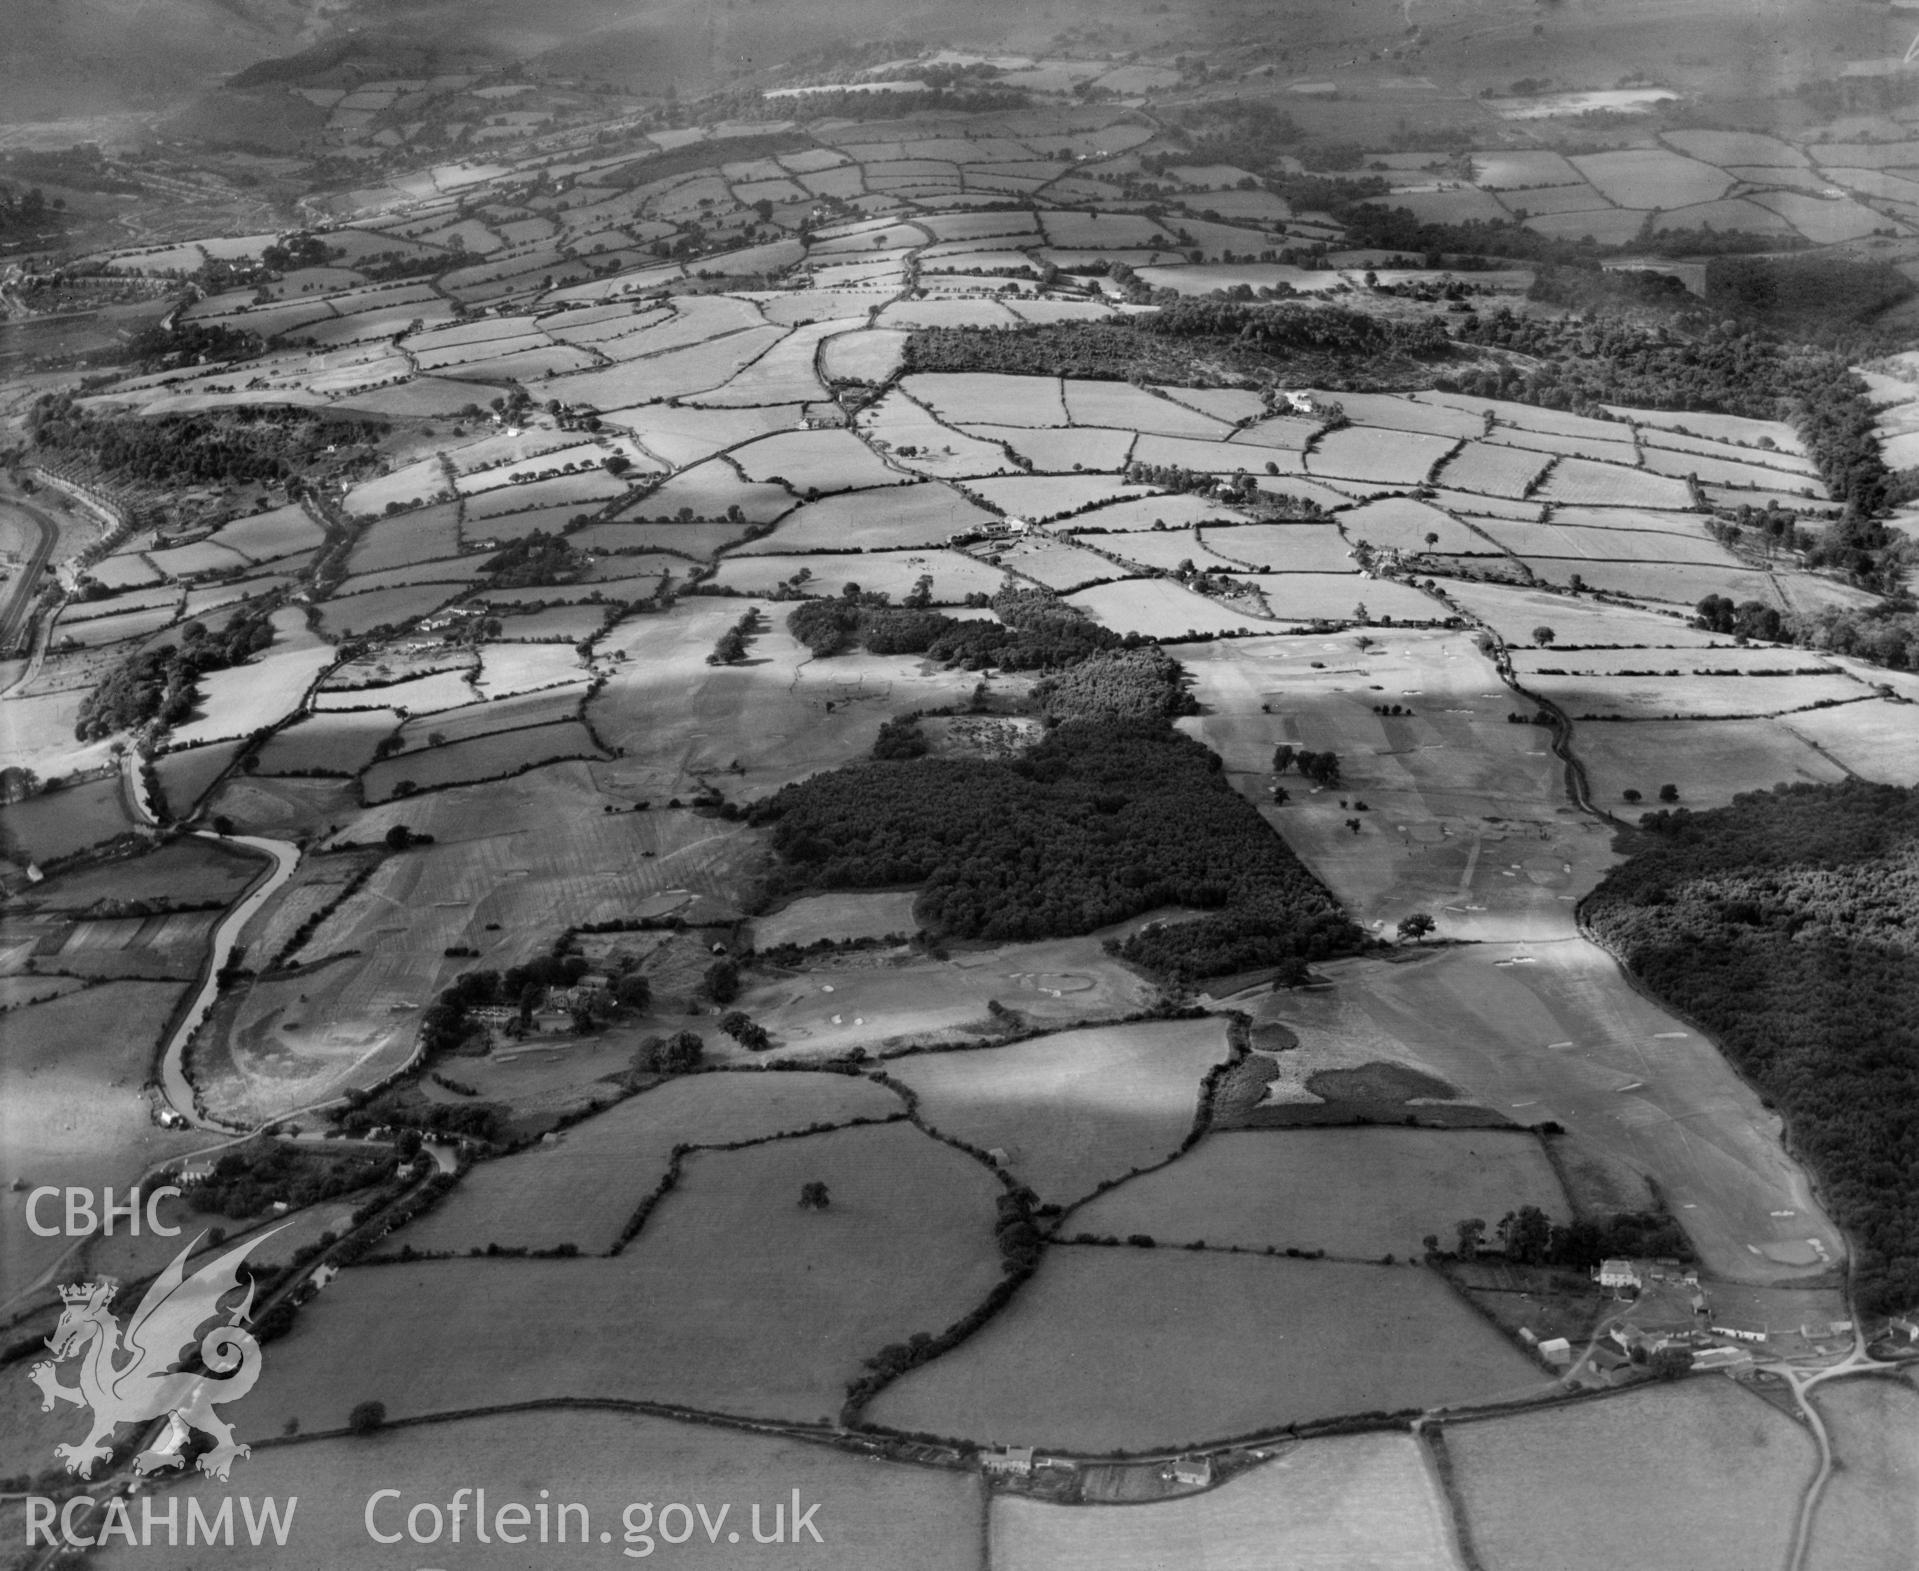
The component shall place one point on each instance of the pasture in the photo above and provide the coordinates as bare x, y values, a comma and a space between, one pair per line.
1874, 738
60, 823
1378, 457
1159, 608
240, 700
487, 757
417, 695
965, 396
1320, 1505
585, 1189
838, 917
1704, 1463
874, 1516
1124, 1348
1283, 548
1355, 1193
1710, 764
1075, 1109
1042, 498
74, 1112
954, 576
885, 518
774, 1324
1869, 1513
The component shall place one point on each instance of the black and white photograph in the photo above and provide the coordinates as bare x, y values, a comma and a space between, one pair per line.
839, 786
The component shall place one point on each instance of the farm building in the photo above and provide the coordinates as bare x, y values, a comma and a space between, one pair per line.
1195, 1472
1739, 1333
1731, 1359
1617, 1274
1902, 1326
1556, 1350
1014, 1461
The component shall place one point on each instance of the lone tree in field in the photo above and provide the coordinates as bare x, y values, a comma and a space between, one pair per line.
1669, 793
1543, 636
1416, 926
814, 1196
1283, 757
1629, 794
366, 1417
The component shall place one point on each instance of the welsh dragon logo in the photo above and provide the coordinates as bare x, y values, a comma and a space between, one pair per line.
150, 1384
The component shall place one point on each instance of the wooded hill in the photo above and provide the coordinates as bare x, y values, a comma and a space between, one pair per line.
1787, 924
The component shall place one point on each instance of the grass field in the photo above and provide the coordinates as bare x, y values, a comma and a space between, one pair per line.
1040, 498
417, 695
486, 757
242, 699
1283, 548
1874, 739
895, 573
852, 915
59, 823
1321, 1505
1159, 608
585, 1189
1710, 764
1072, 1110
889, 517
1379, 457
1670, 698
1869, 1513
1023, 401
1357, 1193
1493, 468
873, 1516
773, 1324
1122, 1348
74, 1112
1704, 1463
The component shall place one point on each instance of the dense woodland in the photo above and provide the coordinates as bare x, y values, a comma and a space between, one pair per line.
1101, 821
1806, 295
1036, 631
234, 446
1787, 924
157, 686
1193, 341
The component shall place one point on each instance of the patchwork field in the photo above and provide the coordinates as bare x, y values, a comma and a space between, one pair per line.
1071, 1111
772, 1325
1118, 1348
1356, 1193
585, 1189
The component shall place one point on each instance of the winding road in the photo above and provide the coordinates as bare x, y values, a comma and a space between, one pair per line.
174, 1084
